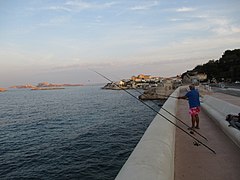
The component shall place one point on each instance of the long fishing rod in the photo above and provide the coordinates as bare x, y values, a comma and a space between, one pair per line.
175, 116
198, 141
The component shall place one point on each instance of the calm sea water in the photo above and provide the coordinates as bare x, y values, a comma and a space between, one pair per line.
75, 133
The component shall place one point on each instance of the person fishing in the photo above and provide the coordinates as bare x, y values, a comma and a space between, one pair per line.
198, 142
194, 105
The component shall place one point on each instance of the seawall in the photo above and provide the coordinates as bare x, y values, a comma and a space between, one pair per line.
153, 157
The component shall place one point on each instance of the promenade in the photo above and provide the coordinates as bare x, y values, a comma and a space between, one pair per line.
225, 97
199, 163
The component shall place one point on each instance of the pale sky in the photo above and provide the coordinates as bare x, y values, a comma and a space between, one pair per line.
58, 40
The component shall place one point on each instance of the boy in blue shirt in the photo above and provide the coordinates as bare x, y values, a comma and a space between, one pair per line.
194, 105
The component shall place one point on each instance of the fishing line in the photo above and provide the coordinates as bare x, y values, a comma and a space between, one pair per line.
156, 112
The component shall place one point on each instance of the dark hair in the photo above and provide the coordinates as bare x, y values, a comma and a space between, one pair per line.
191, 87
229, 117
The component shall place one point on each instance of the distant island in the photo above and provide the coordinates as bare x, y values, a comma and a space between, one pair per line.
47, 88
2, 90
44, 86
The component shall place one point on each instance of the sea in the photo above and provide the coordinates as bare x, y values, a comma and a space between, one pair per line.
84, 133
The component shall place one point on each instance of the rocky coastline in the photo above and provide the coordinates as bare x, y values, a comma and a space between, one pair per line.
154, 87
44, 86
3, 90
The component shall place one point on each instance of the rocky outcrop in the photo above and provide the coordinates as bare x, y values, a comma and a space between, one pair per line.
114, 86
47, 88
2, 90
162, 91
43, 85
150, 94
27, 86
156, 93
46, 84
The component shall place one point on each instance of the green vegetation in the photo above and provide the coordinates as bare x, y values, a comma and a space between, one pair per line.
227, 68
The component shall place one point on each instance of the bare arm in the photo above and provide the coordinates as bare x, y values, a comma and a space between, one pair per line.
182, 97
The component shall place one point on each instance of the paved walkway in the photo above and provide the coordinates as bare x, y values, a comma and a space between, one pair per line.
231, 99
197, 162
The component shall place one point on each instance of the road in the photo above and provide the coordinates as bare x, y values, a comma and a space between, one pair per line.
232, 89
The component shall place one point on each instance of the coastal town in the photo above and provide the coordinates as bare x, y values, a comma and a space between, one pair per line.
156, 87
214, 72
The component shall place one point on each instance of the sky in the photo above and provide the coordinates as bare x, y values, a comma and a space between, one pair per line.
60, 41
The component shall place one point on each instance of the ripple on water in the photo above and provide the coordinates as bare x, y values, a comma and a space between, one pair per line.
76, 133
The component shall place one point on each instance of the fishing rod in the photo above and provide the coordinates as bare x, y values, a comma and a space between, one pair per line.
198, 141
175, 116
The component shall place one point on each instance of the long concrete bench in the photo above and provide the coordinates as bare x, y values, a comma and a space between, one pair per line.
218, 109
153, 157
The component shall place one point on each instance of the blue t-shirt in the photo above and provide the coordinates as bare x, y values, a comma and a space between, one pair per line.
193, 98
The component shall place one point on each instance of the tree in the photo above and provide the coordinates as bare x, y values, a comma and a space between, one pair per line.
227, 67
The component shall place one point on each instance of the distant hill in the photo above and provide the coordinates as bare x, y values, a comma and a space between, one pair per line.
227, 68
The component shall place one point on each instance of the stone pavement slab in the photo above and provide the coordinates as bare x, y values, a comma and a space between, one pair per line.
225, 97
197, 162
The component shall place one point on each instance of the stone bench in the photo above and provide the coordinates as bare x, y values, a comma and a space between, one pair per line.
218, 109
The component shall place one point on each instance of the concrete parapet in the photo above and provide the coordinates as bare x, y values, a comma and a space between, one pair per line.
218, 109
153, 157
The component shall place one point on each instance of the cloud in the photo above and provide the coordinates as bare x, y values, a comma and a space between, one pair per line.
85, 65
226, 30
185, 9
54, 21
77, 5
222, 26
177, 19
58, 8
144, 6
205, 22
